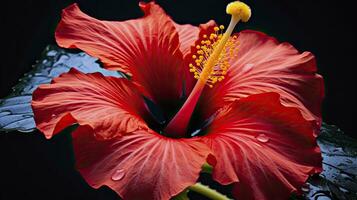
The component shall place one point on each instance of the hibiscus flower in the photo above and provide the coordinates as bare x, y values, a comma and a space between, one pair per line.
250, 108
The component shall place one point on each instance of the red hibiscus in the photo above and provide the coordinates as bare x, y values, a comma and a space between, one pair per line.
262, 116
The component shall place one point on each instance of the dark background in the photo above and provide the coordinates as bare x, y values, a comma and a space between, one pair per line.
33, 167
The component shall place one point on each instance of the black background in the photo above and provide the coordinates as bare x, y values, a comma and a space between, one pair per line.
32, 167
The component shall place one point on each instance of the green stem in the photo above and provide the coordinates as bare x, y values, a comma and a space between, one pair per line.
207, 168
208, 192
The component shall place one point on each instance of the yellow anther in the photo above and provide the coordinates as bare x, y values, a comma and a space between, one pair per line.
190, 65
204, 36
216, 28
213, 35
194, 56
198, 47
240, 10
214, 79
192, 70
221, 27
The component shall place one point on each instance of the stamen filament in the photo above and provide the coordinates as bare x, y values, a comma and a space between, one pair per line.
178, 125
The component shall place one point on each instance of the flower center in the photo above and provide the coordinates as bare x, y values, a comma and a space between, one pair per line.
211, 63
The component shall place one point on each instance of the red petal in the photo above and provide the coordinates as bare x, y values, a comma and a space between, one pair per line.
146, 48
268, 148
107, 104
264, 65
142, 165
189, 35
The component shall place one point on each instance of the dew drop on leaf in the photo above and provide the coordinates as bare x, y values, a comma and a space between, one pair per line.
323, 198
349, 161
343, 189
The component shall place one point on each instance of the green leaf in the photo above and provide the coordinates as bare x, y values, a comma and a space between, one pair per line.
15, 110
338, 178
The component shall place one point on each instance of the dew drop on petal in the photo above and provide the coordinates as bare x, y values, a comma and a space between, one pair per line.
53, 115
314, 133
318, 123
247, 67
118, 175
262, 138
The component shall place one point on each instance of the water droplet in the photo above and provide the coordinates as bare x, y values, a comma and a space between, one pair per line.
53, 115
314, 133
346, 176
349, 161
247, 67
323, 197
262, 138
305, 188
118, 175
343, 189
318, 123
51, 53
338, 149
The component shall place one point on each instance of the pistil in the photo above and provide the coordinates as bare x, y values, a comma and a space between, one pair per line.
210, 66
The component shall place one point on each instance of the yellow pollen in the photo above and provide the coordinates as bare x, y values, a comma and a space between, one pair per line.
216, 50
240, 10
